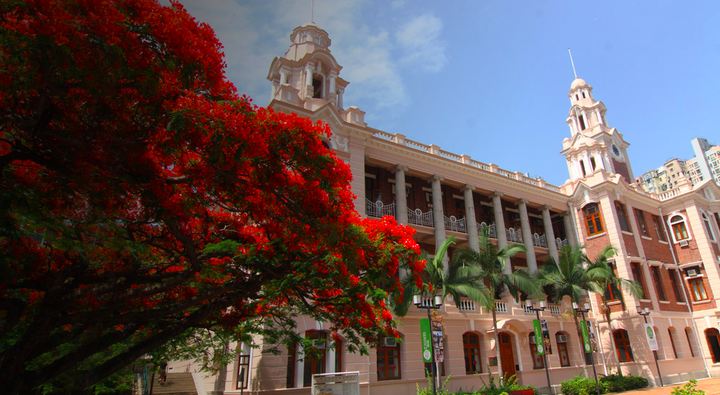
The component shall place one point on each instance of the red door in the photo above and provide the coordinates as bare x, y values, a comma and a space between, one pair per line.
507, 354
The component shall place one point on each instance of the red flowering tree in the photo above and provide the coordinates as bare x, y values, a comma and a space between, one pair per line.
142, 198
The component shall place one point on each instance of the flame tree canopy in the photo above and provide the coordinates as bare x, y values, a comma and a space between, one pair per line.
143, 198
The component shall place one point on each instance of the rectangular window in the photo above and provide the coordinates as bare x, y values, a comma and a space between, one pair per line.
638, 276
243, 371
640, 215
697, 289
675, 285
658, 282
290, 378
659, 230
622, 216
672, 343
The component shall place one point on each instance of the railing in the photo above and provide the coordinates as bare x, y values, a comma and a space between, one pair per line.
560, 243
467, 305
417, 217
427, 302
455, 225
501, 307
555, 309
378, 209
514, 235
540, 240
669, 194
528, 310
491, 229
435, 150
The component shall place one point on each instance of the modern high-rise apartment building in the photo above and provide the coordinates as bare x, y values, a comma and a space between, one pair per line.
666, 240
706, 163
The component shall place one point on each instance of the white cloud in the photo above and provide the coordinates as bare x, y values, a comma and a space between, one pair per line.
421, 44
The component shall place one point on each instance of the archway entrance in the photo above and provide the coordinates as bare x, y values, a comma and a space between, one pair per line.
713, 339
506, 354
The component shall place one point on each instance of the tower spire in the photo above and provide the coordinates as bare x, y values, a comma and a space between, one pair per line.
571, 61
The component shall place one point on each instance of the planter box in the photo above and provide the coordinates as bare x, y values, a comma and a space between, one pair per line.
528, 391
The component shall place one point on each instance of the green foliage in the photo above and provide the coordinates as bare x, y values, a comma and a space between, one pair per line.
439, 391
579, 385
494, 387
617, 383
689, 388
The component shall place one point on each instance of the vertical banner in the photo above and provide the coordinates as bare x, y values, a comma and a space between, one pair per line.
586, 338
546, 336
539, 343
425, 339
651, 337
437, 336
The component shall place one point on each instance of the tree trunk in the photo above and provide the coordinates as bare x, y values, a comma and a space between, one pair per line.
497, 346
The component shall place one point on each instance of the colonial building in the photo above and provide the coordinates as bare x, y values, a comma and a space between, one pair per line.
668, 242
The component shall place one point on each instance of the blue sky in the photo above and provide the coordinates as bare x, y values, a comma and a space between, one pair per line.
490, 79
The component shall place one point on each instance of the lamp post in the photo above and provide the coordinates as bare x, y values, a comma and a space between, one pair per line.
537, 311
592, 360
644, 313
432, 303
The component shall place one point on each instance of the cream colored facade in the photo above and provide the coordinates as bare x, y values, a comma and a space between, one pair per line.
669, 240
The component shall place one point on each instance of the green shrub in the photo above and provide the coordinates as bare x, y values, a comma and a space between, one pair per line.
428, 391
618, 383
579, 385
689, 389
492, 388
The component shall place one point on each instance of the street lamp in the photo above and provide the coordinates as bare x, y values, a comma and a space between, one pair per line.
537, 311
644, 313
427, 304
592, 360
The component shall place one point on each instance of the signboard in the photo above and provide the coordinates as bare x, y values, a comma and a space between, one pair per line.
425, 339
586, 338
539, 342
342, 383
651, 337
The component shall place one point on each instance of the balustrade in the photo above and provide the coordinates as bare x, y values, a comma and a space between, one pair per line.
417, 217
514, 235
378, 209
501, 307
455, 225
467, 305
491, 229
555, 309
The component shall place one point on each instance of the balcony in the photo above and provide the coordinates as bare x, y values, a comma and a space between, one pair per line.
501, 307
491, 229
455, 225
378, 209
467, 305
555, 309
417, 217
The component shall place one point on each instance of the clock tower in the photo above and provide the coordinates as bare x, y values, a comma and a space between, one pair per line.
593, 146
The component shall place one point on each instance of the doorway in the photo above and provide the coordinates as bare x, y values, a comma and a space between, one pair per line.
506, 354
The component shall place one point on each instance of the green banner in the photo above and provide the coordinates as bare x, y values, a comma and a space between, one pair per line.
586, 338
539, 342
426, 339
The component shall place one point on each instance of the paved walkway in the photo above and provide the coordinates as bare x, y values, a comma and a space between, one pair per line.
710, 386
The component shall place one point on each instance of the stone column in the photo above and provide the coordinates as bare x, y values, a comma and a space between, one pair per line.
569, 228
438, 214
400, 196
340, 97
500, 225
470, 219
527, 236
549, 234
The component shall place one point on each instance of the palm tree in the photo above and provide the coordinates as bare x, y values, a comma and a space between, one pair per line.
491, 261
612, 286
574, 274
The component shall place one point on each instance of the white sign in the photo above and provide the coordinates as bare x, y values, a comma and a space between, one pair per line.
651, 337
342, 383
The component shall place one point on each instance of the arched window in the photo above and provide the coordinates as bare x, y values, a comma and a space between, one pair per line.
708, 227
538, 361
317, 87
471, 349
562, 343
671, 335
592, 163
713, 340
622, 344
243, 367
582, 122
290, 378
660, 353
690, 339
593, 221
622, 216
315, 357
679, 230
388, 360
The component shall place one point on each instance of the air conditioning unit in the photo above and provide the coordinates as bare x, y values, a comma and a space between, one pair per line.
683, 243
389, 342
692, 272
562, 339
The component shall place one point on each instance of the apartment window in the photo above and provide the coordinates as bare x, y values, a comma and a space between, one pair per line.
672, 342
622, 344
638, 276
290, 378
471, 349
338, 355
640, 215
659, 231
690, 337
538, 362
675, 285
561, 340
388, 362
622, 216
315, 357
708, 227
658, 282
243, 369
677, 224
697, 289
593, 221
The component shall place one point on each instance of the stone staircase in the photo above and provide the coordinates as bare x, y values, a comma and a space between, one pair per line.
177, 384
